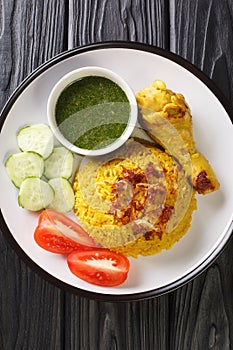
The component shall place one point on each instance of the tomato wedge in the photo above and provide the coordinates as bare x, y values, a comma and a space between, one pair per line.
99, 266
59, 234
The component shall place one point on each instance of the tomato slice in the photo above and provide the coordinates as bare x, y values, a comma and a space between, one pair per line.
59, 234
99, 266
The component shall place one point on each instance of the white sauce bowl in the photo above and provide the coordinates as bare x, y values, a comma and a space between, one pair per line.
70, 78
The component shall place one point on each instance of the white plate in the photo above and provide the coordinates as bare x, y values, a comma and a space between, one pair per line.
211, 226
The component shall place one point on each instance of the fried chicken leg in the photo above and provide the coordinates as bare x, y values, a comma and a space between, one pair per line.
167, 118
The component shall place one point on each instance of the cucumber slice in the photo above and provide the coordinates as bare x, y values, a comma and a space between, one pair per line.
64, 196
35, 194
37, 138
59, 163
19, 166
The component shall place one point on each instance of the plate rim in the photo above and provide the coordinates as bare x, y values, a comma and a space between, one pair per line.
3, 116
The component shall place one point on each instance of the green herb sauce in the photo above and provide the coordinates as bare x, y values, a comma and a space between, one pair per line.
92, 112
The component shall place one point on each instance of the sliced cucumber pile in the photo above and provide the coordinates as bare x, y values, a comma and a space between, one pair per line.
19, 166
59, 164
37, 138
40, 158
35, 194
63, 200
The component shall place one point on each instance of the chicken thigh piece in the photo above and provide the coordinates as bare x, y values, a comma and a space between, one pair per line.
166, 117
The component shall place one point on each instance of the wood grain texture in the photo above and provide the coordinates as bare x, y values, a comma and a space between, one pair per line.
110, 325
102, 20
103, 325
36, 315
31, 315
201, 311
31, 32
198, 315
202, 32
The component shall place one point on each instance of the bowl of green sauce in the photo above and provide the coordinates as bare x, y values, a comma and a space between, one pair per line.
92, 111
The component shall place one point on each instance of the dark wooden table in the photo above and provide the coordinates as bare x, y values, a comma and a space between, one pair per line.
35, 314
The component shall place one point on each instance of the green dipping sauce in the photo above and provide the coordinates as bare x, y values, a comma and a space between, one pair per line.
92, 112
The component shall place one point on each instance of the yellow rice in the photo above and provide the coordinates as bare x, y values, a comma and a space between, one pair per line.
153, 210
